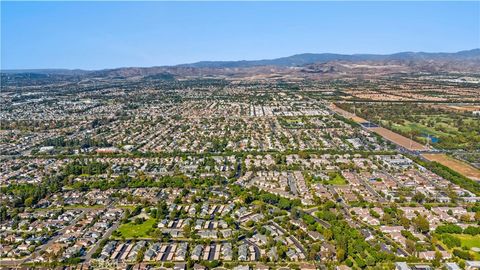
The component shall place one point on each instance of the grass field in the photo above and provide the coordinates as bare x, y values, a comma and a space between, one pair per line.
469, 241
337, 180
387, 134
454, 129
455, 164
408, 127
451, 134
132, 230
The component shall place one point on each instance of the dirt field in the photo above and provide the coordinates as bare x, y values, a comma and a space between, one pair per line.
347, 114
465, 108
387, 134
455, 164
399, 139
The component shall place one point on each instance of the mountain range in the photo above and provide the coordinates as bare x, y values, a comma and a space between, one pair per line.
468, 58
310, 58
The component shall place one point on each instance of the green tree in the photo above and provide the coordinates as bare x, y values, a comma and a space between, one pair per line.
340, 254
28, 202
421, 224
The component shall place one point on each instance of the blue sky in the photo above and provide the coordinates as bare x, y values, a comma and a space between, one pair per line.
96, 35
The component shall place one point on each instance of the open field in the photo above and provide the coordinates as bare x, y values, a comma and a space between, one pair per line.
469, 241
465, 108
347, 114
447, 132
387, 134
456, 165
472, 158
132, 230
337, 180
399, 139
413, 127
439, 124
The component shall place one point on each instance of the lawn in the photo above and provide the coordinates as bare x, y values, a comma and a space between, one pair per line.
337, 180
132, 230
293, 122
451, 133
410, 127
469, 240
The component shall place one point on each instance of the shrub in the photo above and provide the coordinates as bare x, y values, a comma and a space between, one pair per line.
449, 228
451, 241
472, 230
462, 254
